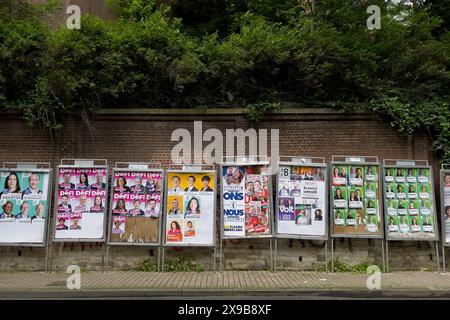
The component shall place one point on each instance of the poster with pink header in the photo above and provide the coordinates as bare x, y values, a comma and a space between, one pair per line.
81, 202
136, 206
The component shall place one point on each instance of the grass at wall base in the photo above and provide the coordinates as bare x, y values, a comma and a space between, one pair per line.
342, 265
179, 264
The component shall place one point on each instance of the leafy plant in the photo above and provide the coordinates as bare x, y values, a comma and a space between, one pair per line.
263, 55
341, 265
179, 264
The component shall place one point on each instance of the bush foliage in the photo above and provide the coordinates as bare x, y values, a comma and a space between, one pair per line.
232, 54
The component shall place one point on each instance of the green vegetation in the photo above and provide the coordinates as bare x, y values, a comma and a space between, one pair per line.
344, 266
263, 55
180, 264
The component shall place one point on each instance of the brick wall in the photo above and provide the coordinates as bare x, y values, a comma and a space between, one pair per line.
144, 135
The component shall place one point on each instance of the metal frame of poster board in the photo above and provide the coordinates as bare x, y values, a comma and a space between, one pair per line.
81, 164
135, 167
406, 164
39, 167
363, 161
302, 161
445, 169
196, 169
250, 161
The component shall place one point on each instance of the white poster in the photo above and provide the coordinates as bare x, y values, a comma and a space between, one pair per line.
190, 210
301, 201
446, 195
81, 203
24, 205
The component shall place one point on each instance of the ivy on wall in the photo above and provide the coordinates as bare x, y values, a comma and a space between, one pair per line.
240, 55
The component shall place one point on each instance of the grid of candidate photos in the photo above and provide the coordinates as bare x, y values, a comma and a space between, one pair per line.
190, 208
81, 202
23, 202
409, 205
246, 206
356, 199
445, 182
136, 206
301, 200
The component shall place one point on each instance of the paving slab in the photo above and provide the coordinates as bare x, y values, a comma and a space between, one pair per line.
227, 283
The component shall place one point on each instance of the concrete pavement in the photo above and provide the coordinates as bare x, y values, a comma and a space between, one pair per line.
121, 284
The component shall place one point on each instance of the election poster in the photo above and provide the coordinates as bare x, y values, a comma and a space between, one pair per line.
355, 200
301, 197
136, 206
24, 204
445, 195
81, 203
246, 201
190, 208
410, 212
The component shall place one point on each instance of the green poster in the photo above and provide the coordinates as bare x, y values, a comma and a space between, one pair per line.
339, 216
371, 174
340, 197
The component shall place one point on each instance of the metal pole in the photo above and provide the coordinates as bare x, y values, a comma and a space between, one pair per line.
162, 260
46, 258
271, 254
221, 253
326, 256
214, 258
382, 254
107, 259
159, 259
387, 256
443, 257
52, 252
332, 255
103, 255
437, 256
275, 256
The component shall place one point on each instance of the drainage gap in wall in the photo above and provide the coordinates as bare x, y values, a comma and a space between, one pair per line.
19, 253
300, 258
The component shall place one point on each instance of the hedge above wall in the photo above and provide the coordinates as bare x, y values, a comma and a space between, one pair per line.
147, 58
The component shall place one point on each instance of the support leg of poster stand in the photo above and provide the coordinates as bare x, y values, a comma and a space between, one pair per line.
271, 255
221, 254
107, 258
387, 256
443, 259
275, 256
52, 253
162, 258
332, 255
382, 255
159, 260
214, 259
46, 258
104, 246
437, 256
326, 256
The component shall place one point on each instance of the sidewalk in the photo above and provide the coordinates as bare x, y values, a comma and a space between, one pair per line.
118, 284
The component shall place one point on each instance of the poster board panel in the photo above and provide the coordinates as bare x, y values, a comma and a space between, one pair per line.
302, 201
24, 203
80, 203
409, 203
135, 207
445, 206
356, 209
246, 201
190, 208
